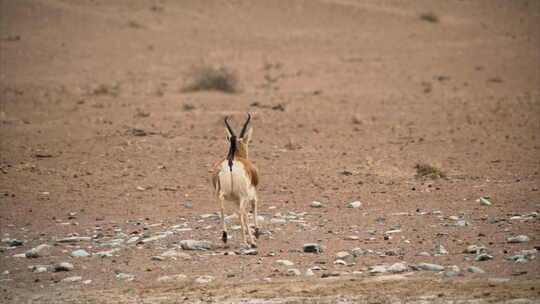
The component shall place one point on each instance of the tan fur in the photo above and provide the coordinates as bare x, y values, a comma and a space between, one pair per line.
239, 186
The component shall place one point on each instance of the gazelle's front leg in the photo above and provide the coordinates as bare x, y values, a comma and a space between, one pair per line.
224, 236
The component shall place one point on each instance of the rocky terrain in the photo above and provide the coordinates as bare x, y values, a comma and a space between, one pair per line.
397, 143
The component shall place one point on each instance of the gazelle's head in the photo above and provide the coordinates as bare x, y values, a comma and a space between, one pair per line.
239, 144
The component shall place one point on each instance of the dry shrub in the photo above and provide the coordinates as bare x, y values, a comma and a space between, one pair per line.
426, 171
207, 78
430, 17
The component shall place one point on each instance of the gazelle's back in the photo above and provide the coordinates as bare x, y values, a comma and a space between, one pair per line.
240, 182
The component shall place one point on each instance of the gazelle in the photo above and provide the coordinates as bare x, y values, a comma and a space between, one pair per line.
235, 178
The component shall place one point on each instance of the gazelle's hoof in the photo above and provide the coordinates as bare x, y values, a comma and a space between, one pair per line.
257, 233
224, 237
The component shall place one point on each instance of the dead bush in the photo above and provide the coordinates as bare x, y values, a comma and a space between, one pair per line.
207, 78
426, 171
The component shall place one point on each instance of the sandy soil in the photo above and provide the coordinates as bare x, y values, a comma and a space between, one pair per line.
347, 97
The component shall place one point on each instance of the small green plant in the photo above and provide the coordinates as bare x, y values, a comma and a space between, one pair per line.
429, 17
207, 78
426, 171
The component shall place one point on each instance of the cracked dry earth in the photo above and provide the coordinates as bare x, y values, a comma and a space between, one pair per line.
105, 162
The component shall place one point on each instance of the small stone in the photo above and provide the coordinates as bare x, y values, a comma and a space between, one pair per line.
423, 253
153, 238
345, 256
516, 257
518, 239
64, 266
483, 201
293, 272
474, 249
359, 251
340, 262
285, 262
278, 221
309, 272
430, 267
174, 254
312, 247
157, 258
72, 279
74, 239
125, 276
41, 268
87, 282
475, 269
371, 231
462, 224
204, 279
351, 238
483, 257
196, 245
355, 204
42, 250
106, 254
440, 250
316, 205
230, 253
522, 261
378, 269
80, 253
380, 219
171, 278
397, 268
391, 252
250, 252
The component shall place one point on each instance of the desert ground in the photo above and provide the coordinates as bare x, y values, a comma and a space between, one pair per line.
107, 144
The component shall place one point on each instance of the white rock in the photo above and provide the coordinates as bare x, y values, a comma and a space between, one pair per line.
171, 278
518, 239
293, 272
483, 201
204, 279
42, 250
316, 205
80, 253
397, 268
285, 262
355, 204
125, 276
72, 279
431, 267
196, 245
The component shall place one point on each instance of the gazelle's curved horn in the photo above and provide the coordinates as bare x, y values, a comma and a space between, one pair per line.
244, 128
229, 127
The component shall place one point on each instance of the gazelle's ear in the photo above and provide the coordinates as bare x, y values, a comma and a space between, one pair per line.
247, 136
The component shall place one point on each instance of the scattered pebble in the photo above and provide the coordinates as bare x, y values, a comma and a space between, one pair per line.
196, 245
293, 272
42, 250
474, 249
431, 267
475, 269
483, 201
125, 276
483, 257
518, 239
171, 278
72, 279
440, 250
351, 238
312, 247
204, 279
285, 262
80, 253
316, 205
346, 257
397, 268
355, 204
64, 266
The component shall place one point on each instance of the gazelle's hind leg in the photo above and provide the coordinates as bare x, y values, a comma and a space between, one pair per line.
224, 236
254, 208
246, 230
